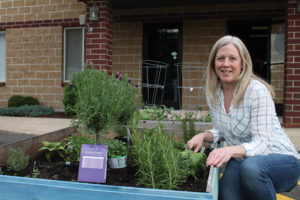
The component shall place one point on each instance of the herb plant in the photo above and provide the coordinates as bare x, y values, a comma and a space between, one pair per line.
69, 99
116, 148
17, 160
73, 146
195, 162
155, 113
52, 149
158, 160
103, 101
188, 126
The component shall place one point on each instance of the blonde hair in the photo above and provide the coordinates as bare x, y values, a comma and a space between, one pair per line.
212, 80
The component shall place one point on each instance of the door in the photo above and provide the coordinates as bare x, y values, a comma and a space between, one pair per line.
255, 35
162, 46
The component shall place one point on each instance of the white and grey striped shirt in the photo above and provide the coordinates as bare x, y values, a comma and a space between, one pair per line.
252, 123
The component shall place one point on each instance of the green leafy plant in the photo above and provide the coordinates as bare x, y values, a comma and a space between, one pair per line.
195, 162
17, 160
188, 126
103, 101
73, 146
35, 171
116, 148
158, 160
69, 99
155, 113
53, 149
207, 118
18, 100
26, 110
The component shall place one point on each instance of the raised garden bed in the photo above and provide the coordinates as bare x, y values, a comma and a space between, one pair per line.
120, 184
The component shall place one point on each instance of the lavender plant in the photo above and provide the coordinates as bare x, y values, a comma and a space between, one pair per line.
103, 101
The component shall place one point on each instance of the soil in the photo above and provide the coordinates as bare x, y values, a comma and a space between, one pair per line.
58, 170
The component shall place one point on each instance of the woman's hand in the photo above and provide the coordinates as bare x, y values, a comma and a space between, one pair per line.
221, 156
197, 141
218, 157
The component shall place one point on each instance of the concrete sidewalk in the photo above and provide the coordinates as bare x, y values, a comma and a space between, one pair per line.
294, 135
33, 125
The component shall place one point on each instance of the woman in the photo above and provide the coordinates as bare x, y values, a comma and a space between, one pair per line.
260, 159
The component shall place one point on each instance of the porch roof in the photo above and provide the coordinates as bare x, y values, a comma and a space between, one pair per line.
127, 4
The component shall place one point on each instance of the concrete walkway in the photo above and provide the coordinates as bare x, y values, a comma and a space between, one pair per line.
32, 125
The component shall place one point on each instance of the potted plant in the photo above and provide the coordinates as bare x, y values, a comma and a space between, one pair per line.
117, 153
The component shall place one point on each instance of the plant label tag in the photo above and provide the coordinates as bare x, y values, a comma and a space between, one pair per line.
93, 163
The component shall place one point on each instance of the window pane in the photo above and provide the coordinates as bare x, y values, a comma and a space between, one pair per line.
74, 51
2, 57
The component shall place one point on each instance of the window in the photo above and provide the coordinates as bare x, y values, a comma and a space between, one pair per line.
73, 51
2, 56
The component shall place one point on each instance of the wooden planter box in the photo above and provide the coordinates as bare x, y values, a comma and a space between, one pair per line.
173, 127
15, 188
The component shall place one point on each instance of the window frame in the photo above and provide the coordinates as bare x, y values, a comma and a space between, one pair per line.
83, 29
5, 63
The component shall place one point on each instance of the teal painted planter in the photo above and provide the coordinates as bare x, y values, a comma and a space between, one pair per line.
21, 188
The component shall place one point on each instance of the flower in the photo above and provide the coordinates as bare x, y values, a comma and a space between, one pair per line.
129, 80
117, 74
121, 77
137, 85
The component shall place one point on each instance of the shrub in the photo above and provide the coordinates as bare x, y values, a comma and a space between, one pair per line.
18, 101
26, 110
17, 160
29, 100
69, 99
15, 101
103, 101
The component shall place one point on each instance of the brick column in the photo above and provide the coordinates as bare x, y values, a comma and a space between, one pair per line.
99, 40
291, 115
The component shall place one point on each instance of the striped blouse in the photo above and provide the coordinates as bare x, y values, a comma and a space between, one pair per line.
252, 123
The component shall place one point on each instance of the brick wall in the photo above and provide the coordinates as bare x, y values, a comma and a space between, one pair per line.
34, 63
99, 41
292, 67
33, 10
198, 38
34, 45
127, 49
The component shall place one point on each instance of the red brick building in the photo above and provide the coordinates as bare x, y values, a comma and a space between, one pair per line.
42, 42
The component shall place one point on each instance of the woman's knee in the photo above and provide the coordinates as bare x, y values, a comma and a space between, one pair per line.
250, 169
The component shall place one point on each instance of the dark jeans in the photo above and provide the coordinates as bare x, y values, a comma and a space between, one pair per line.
259, 177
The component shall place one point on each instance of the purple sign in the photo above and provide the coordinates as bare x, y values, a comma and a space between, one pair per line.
93, 163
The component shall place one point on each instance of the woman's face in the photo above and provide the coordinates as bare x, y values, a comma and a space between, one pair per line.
228, 64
